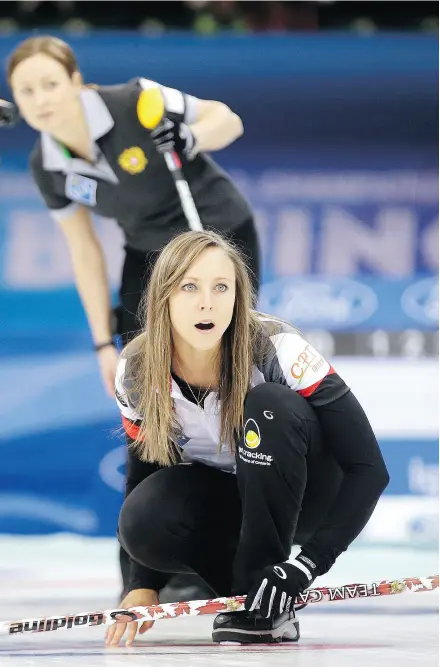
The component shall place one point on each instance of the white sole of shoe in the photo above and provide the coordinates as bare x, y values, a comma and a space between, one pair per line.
286, 631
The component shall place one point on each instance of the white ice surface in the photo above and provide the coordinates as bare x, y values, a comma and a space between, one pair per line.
66, 574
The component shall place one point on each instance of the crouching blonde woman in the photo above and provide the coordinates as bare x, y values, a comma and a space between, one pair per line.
242, 440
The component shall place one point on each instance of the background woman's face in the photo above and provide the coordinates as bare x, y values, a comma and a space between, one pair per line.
44, 92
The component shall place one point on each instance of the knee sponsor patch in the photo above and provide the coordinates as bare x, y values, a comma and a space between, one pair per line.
252, 440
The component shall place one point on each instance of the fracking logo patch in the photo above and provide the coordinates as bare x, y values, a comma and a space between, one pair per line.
252, 435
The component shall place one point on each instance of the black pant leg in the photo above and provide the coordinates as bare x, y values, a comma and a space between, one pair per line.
184, 519
324, 477
246, 239
281, 433
136, 274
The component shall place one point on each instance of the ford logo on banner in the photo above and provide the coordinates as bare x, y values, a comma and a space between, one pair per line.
332, 303
420, 301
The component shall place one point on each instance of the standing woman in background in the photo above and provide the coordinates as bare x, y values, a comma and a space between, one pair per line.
95, 156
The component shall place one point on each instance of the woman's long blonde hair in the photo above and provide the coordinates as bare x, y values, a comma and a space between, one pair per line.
149, 355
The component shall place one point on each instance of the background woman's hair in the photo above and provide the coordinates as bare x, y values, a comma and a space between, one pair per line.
149, 354
47, 45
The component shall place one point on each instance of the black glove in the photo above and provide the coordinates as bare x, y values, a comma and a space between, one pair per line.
277, 586
171, 136
8, 114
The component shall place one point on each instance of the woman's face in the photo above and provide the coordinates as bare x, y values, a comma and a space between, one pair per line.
44, 92
202, 305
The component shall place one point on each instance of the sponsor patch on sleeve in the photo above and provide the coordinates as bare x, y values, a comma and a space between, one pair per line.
303, 367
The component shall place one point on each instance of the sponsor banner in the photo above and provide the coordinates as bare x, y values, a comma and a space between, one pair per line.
413, 466
346, 303
316, 275
392, 239
403, 521
411, 343
364, 305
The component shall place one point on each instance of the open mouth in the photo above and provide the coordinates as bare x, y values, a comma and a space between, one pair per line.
205, 326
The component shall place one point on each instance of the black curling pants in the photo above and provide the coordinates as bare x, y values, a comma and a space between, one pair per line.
224, 527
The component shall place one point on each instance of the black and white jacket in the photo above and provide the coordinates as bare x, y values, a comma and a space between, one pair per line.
346, 432
291, 361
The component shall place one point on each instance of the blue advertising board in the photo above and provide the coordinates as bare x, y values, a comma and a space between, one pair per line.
335, 265
339, 162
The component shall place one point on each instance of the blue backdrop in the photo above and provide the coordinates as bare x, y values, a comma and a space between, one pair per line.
339, 161
313, 102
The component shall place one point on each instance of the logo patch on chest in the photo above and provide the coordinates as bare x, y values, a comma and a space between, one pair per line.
133, 160
81, 189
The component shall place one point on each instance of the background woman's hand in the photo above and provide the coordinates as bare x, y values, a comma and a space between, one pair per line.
142, 597
108, 359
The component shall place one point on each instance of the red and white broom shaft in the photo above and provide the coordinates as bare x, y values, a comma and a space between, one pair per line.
215, 606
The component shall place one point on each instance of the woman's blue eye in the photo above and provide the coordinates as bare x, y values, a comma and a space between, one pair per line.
220, 287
